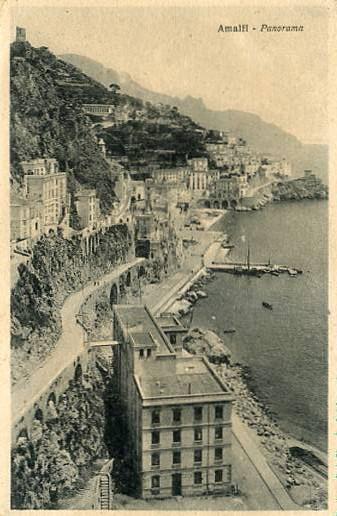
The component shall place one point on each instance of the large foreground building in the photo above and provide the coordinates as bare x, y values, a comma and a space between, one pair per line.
177, 408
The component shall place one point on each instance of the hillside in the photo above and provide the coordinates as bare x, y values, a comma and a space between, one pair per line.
258, 133
47, 120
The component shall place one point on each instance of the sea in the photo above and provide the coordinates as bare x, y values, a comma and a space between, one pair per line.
284, 349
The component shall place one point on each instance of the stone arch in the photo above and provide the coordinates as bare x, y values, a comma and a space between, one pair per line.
78, 373
234, 203
141, 271
225, 205
39, 415
113, 295
52, 397
121, 221
216, 205
23, 434
207, 204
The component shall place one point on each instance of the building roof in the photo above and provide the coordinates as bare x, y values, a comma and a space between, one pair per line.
142, 328
169, 322
193, 377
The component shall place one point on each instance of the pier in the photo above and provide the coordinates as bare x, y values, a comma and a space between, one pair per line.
215, 260
253, 269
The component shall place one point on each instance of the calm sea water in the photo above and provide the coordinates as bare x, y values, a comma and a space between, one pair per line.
286, 348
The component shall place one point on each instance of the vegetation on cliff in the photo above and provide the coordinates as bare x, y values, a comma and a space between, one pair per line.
47, 120
63, 442
57, 267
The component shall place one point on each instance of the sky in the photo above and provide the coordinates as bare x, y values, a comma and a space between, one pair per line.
282, 77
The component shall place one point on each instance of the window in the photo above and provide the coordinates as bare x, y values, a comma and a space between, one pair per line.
218, 454
177, 415
155, 482
218, 412
176, 458
198, 434
218, 475
155, 459
173, 339
148, 352
197, 456
141, 353
155, 419
218, 432
197, 477
155, 437
176, 436
197, 413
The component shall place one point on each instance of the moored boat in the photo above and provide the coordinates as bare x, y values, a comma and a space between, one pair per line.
230, 330
267, 305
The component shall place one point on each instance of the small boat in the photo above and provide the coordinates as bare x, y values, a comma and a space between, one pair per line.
275, 273
230, 330
292, 272
226, 245
267, 305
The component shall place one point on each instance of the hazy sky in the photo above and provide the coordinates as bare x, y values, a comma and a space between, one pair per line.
280, 76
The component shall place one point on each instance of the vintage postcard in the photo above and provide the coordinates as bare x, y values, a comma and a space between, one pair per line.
167, 201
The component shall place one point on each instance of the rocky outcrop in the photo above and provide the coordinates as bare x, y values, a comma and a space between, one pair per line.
308, 187
206, 342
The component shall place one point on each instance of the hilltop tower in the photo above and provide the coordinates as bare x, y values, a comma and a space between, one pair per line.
20, 34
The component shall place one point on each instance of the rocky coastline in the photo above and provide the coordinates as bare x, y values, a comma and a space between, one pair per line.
307, 488
308, 187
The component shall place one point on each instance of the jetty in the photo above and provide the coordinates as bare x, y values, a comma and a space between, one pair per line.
248, 268
253, 269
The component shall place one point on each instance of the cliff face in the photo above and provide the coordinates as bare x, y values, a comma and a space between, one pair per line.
47, 120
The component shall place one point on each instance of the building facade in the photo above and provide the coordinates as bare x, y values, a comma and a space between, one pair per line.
197, 180
44, 183
25, 223
227, 191
178, 411
87, 206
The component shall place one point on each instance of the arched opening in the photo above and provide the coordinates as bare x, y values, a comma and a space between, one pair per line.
139, 197
51, 411
113, 295
133, 199
141, 271
225, 205
78, 373
51, 397
207, 204
128, 279
121, 221
234, 203
39, 415
216, 205
22, 435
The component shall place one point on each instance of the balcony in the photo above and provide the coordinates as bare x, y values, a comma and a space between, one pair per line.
155, 445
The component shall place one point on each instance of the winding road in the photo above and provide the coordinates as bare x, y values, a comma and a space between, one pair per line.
67, 348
